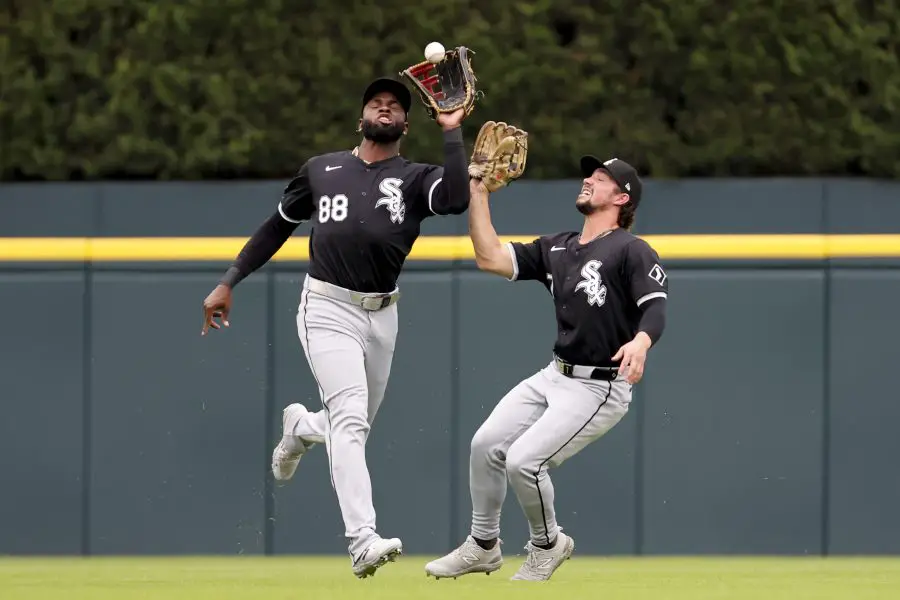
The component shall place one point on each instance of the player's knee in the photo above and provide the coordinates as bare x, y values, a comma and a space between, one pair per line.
520, 462
484, 446
349, 423
352, 428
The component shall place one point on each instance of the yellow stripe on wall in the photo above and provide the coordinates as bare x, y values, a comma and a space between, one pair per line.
442, 248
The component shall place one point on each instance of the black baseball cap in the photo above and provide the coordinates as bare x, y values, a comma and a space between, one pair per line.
388, 84
621, 172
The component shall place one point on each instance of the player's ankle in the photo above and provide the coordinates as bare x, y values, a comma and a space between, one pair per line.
486, 544
545, 546
293, 443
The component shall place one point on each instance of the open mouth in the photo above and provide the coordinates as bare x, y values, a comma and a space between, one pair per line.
385, 120
585, 191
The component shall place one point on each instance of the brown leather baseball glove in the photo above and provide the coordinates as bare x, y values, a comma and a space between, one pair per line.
499, 154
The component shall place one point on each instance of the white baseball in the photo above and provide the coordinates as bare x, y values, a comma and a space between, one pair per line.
434, 52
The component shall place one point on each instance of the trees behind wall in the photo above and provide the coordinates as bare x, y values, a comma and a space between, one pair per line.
94, 89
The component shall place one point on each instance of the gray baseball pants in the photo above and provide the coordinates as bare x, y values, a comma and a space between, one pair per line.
543, 421
349, 351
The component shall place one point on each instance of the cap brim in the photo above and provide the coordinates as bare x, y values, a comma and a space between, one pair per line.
589, 164
386, 84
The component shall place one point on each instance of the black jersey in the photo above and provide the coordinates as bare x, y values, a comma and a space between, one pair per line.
598, 289
366, 217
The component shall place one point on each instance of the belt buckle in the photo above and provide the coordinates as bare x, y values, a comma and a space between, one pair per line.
564, 368
375, 302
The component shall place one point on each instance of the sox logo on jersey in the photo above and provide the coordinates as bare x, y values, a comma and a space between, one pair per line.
392, 199
592, 284
657, 274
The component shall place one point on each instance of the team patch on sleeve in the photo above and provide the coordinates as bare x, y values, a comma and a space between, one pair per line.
657, 274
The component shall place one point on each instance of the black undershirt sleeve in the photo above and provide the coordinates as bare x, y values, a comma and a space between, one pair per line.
653, 319
261, 247
296, 206
451, 195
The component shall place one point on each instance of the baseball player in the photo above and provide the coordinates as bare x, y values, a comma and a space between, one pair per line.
609, 290
367, 205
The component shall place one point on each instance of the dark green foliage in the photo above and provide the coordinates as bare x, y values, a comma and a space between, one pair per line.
251, 88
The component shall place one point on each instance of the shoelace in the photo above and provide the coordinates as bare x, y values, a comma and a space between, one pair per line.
288, 454
466, 546
536, 556
472, 546
532, 559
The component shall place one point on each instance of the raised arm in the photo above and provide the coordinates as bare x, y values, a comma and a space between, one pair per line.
446, 187
490, 253
514, 260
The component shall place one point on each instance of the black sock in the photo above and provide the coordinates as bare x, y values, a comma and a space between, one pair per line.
545, 546
486, 544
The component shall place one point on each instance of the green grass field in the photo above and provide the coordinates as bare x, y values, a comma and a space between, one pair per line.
302, 578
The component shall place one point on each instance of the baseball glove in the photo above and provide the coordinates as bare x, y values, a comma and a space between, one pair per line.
499, 154
446, 86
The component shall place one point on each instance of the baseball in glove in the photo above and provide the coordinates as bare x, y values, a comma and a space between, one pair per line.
499, 154
445, 86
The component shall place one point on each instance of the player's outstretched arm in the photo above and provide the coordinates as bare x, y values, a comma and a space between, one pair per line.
448, 188
258, 250
490, 254
295, 207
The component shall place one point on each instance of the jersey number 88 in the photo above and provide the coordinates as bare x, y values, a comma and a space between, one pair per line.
334, 209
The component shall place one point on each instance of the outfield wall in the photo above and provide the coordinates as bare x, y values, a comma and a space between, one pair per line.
765, 424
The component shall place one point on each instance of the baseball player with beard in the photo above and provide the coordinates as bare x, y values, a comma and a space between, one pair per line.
366, 205
609, 290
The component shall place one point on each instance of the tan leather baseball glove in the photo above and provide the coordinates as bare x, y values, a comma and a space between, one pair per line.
499, 154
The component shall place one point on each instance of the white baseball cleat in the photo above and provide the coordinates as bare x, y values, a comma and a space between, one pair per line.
468, 558
290, 449
377, 554
541, 564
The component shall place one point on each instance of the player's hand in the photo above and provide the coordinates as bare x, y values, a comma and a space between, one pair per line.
216, 305
449, 121
633, 355
477, 187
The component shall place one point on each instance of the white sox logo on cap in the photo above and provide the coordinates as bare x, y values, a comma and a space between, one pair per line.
621, 172
606, 163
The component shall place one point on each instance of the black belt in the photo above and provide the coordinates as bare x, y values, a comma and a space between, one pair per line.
583, 372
